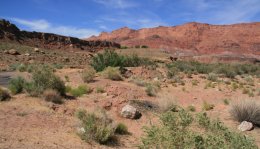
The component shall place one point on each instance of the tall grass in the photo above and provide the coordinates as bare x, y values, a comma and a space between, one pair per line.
246, 110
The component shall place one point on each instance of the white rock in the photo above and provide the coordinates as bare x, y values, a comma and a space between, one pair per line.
130, 112
245, 126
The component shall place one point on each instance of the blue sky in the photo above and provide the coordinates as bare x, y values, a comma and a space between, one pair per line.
83, 18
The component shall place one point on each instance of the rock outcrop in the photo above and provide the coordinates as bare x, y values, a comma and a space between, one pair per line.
10, 33
193, 39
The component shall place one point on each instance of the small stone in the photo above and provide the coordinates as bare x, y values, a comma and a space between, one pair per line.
27, 54
245, 126
13, 52
130, 112
36, 50
156, 79
81, 130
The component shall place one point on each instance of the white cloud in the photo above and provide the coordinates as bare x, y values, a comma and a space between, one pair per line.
237, 11
116, 3
224, 11
45, 26
34, 24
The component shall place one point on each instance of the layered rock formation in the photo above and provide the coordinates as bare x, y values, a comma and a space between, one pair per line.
10, 33
193, 39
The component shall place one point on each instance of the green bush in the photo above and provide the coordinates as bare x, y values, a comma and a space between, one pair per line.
88, 74
80, 90
99, 127
246, 110
16, 85
212, 77
228, 70
43, 78
112, 59
51, 95
121, 129
112, 73
4, 95
177, 130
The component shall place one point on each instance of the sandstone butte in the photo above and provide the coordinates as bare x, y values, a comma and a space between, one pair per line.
191, 39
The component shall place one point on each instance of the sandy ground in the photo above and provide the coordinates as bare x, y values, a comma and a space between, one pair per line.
28, 122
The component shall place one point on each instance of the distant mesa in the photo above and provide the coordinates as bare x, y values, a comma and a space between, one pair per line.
193, 38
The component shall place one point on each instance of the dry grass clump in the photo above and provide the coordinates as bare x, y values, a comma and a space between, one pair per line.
97, 126
88, 74
246, 110
51, 95
166, 102
207, 106
112, 73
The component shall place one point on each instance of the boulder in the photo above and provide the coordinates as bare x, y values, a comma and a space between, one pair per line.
245, 126
36, 50
13, 52
27, 54
130, 112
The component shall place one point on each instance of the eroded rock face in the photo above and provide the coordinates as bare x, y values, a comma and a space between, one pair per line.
9, 32
130, 112
245, 126
193, 39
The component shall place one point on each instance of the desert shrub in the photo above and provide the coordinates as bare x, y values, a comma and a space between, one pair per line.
80, 90
191, 108
67, 78
112, 59
112, 73
121, 129
22, 68
228, 70
100, 89
57, 66
212, 77
108, 58
152, 89
97, 127
194, 82
88, 74
16, 85
177, 131
172, 72
51, 95
246, 110
4, 95
207, 106
68, 88
139, 81
234, 86
226, 101
167, 103
43, 78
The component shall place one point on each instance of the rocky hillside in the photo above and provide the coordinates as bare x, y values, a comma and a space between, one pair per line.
193, 39
10, 33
